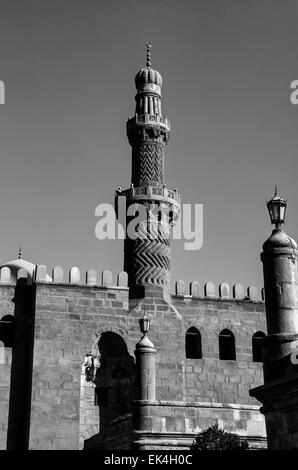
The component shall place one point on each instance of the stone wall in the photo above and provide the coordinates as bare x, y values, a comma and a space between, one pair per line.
211, 379
4, 396
68, 321
6, 308
174, 425
70, 318
280, 406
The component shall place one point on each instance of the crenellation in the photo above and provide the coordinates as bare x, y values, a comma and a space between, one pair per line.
91, 277
224, 291
107, 278
238, 292
22, 274
180, 288
253, 293
40, 273
194, 289
74, 275
5, 275
57, 274
209, 289
122, 279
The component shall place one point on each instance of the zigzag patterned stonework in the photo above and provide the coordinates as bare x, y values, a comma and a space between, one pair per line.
147, 163
147, 259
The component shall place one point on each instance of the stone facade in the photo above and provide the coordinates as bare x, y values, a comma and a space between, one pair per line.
69, 321
7, 309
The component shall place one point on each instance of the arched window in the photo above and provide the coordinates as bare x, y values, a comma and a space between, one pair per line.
6, 330
227, 350
257, 340
193, 344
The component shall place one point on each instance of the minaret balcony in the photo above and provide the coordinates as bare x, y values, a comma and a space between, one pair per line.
153, 193
149, 119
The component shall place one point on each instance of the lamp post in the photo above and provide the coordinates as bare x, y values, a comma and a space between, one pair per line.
280, 283
279, 394
277, 210
145, 363
144, 324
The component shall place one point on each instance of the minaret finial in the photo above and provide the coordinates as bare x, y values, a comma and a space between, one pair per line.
20, 252
148, 61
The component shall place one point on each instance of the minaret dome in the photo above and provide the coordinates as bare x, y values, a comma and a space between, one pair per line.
147, 75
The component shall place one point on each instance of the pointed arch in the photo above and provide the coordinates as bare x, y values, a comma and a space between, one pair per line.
227, 350
112, 344
107, 390
193, 344
257, 346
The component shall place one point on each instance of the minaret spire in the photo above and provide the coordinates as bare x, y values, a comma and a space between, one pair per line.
147, 256
148, 61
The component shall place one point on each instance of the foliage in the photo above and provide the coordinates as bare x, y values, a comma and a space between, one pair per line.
214, 438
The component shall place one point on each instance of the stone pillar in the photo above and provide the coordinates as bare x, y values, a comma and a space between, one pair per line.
279, 259
279, 394
145, 370
143, 406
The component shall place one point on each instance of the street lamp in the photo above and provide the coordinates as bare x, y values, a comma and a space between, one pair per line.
277, 210
144, 324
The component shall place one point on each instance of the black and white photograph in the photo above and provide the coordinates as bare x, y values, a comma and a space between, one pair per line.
148, 262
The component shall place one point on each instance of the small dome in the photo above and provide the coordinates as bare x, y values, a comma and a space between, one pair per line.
148, 74
17, 264
279, 239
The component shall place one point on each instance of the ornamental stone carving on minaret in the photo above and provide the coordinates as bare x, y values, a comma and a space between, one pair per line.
147, 256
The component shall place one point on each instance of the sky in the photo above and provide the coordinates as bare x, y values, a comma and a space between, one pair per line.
69, 67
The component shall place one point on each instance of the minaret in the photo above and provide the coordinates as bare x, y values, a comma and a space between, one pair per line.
147, 252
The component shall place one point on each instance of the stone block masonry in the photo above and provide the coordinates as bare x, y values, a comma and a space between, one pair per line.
166, 424
6, 310
68, 319
191, 393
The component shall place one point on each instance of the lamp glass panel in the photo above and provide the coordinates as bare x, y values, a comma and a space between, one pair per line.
271, 212
282, 212
276, 209
146, 324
